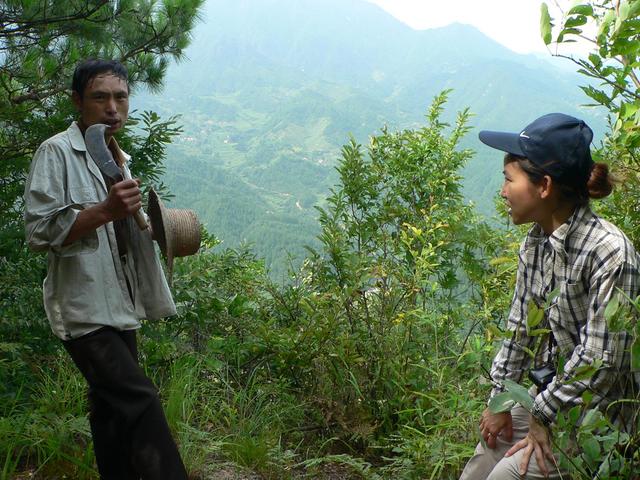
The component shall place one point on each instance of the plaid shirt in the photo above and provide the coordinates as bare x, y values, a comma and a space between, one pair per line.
586, 259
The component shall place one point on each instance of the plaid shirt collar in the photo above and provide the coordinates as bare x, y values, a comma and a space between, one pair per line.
561, 236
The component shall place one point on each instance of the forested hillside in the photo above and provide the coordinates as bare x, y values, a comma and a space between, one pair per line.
371, 361
270, 89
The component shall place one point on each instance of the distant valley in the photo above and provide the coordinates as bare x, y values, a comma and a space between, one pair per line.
271, 89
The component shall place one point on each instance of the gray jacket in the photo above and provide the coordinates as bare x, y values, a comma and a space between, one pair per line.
85, 287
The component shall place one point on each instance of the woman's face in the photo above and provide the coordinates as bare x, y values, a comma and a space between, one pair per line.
521, 195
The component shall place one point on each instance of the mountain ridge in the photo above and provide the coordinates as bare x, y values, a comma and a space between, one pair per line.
273, 89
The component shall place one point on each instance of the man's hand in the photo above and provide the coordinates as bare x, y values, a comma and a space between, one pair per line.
494, 424
124, 199
537, 441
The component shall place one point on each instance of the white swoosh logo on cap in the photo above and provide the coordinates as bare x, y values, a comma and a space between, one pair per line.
523, 135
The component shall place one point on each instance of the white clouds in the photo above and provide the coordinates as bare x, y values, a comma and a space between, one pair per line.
513, 23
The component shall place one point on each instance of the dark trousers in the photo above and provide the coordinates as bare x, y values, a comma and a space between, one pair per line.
131, 437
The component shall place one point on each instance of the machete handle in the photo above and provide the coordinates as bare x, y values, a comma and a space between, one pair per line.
139, 218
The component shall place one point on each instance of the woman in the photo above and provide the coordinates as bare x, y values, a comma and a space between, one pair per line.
549, 179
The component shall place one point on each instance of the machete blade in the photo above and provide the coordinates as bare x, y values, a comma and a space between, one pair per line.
97, 148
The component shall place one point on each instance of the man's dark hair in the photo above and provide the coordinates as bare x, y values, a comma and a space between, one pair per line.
88, 69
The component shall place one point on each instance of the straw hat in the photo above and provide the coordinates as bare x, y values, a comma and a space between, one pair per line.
177, 231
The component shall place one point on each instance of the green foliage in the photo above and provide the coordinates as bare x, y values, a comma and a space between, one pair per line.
265, 116
50, 434
368, 352
545, 23
41, 43
612, 67
369, 361
146, 142
364, 350
592, 446
383, 299
228, 393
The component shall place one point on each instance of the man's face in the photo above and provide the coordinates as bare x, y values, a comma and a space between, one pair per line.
105, 100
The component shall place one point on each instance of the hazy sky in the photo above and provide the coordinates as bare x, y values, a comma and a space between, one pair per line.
513, 23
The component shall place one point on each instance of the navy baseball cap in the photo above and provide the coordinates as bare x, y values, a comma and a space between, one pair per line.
557, 143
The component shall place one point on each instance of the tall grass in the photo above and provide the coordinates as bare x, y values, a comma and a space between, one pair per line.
49, 436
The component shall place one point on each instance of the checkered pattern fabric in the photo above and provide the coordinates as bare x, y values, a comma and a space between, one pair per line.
588, 261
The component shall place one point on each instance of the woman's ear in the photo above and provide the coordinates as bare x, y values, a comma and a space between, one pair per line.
545, 187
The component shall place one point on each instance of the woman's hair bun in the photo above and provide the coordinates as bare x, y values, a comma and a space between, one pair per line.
600, 183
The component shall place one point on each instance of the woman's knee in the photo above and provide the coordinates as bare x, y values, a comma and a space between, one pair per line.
506, 469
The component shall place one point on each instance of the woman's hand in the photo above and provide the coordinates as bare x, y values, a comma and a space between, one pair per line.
537, 441
494, 424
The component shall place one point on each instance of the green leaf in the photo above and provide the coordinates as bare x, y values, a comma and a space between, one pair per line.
591, 419
239, 306
576, 21
585, 372
535, 314
545, 23
591, 448
552, 296
581, 10
628, 109
574, 414
625, 46
519, 394
562, 361
216, 305
598, 95
495, 331
502, 402
595, 60
612, 307
625, 10
539, 331
568, 31
635, 355
618, 24
500, 261
214, 363
606, 22
613, 313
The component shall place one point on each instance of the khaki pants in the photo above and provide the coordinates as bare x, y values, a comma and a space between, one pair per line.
491, 464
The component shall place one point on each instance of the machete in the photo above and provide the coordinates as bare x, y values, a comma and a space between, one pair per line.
101, 155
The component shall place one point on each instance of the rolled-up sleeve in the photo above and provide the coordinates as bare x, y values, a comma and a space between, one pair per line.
49, 211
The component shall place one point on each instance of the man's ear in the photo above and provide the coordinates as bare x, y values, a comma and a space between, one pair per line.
76, 99
545, 187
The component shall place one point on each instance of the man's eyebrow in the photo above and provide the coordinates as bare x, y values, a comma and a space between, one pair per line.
108, 92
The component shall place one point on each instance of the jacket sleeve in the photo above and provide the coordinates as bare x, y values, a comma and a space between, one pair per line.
50, 211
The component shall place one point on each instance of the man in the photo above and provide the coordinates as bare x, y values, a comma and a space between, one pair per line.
103, 276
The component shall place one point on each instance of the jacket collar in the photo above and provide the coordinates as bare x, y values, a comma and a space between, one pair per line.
561, 235
77, 141
76, 138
